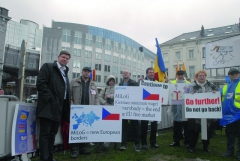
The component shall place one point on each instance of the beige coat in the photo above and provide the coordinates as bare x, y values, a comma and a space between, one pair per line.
107, 90
76, 92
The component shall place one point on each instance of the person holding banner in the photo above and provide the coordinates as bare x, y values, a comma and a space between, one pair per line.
144, 123
53, 102
201, 85
231, 111
179, 121
135, 125
106, 96
84, 92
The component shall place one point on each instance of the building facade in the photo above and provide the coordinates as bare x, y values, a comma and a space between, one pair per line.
17, 32
106, 51
190, 49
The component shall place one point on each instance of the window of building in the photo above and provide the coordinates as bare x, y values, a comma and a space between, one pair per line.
105, 78
107, 45
116, 46
178, 55
114, 70
107, 68
190, 54
77, 37
165, 56
134, 64
87, 64
98, 42
191, 71
122, 61
88, 40
76, 64
115, 59
107, 57
128, 62
116, 80
76, 52
98, 67
27, 81
220, 72
98, 55
98, 78
73, 75
134, 55
203, 52
66, 35
88, 54
32, 81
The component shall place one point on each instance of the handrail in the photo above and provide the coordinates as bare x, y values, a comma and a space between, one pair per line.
9, 96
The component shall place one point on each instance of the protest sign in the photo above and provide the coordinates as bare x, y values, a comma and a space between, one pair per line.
138, 103
24, 129
163, 86
95, 124
203, 105
177, 92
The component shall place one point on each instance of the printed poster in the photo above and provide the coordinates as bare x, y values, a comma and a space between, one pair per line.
139, 103
89, 123
163, 86
24, 129
203, 105
177, 91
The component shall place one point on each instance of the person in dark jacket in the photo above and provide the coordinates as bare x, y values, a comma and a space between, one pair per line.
53, 102
144, 123
135, 125
201, 85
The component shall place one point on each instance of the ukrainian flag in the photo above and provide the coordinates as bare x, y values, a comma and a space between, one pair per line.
159, 67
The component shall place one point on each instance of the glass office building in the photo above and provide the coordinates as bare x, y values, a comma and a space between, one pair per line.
106, 51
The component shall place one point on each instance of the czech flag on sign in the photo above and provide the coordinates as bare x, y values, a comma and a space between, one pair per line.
149, 96
106, 115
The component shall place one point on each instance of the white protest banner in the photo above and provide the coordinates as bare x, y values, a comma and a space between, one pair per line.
203, 105
138, 103
24, 138
177, 92
163, 86
223, 53
90, 123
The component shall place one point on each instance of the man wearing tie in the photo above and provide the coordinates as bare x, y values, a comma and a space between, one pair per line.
53, 102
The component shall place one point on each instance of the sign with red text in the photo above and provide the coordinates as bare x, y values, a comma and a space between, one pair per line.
164, 87
203, 105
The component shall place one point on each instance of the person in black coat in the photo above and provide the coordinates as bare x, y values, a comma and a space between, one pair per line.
135, 125
144, 123
53, 102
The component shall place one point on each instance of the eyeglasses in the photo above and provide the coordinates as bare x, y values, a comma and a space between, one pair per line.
180, 74
233, 73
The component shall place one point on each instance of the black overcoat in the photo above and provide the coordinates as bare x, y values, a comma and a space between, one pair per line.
51, 90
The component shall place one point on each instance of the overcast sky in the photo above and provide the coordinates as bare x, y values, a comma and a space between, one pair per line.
141, 20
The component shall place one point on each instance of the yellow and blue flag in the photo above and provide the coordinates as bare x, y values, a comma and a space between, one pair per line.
159, 67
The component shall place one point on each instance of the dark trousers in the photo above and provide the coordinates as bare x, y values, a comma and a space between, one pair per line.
144, 129
78, 146
177, 131
194, 139
48, 131
233, 130
135, 127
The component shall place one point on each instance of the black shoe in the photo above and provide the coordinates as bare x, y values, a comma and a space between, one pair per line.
116, 146
154, 146
144, 147
192, 150
174, 144
52, 160
123, 147
206, 150
74, 154
227, 154
84, 151
187, 146
238, 157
